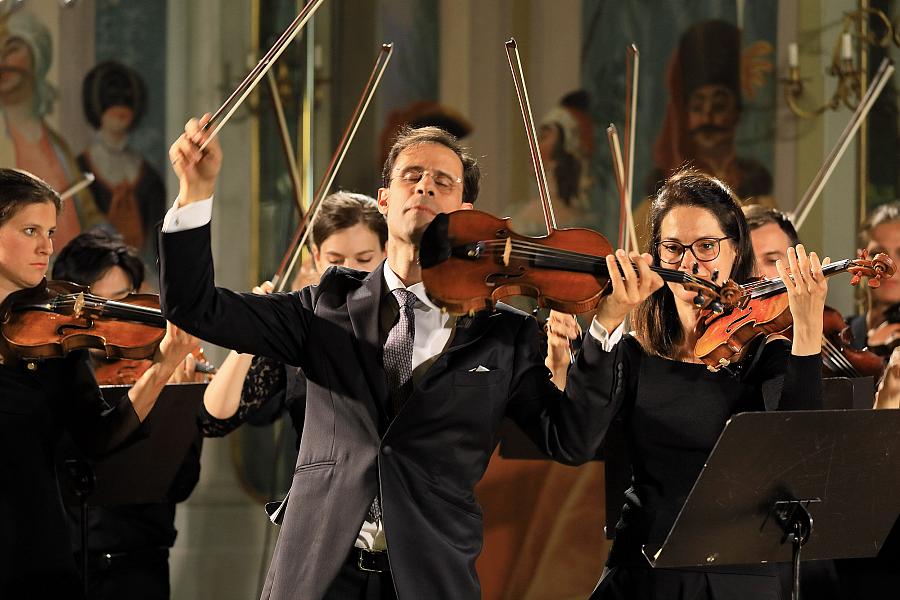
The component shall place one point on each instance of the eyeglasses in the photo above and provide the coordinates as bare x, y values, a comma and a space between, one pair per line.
444, 182
704, 250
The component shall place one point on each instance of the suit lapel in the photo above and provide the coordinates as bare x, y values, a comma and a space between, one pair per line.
363, 307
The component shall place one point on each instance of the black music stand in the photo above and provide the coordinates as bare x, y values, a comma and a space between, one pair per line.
772, 476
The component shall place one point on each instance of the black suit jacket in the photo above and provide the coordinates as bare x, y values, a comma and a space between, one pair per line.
429, 456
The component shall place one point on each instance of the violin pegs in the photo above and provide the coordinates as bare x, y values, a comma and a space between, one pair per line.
699, 300
715, 275
717, 308
696, 268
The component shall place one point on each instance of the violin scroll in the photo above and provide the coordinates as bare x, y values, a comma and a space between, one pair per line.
875, 269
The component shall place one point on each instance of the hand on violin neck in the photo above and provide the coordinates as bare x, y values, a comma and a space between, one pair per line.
197, 170
173, 348
632, 282
806, 288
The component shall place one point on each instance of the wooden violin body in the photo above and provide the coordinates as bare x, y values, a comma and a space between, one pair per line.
727, 337
839, 358
55, 318
473, 259
762, 309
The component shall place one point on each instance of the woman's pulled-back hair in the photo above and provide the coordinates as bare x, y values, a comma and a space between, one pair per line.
656, 321
19, 189
343, 210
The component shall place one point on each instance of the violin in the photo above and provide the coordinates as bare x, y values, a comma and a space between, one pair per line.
470, 260
760, 308
58, 317
839, 358
123, 371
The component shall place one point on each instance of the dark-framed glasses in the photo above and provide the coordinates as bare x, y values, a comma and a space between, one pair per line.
704, 250
443, 181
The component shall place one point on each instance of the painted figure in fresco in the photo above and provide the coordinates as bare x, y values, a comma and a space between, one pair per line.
565, 140
26, 98
127, 189
705, 103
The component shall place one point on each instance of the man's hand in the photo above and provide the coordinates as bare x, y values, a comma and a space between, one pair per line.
561, 330
174, 347
888, 393
197, 170
885, 334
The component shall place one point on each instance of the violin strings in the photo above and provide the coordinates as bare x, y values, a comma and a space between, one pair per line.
838, 360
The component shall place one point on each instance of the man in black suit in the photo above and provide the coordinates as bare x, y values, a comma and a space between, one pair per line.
382, 502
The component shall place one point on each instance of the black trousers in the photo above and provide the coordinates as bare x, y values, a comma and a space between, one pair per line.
141, 575
352, 583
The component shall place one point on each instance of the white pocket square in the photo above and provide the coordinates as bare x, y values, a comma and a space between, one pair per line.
479, 369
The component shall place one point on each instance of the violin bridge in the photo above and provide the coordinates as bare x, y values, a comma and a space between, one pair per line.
507, 251
79, 304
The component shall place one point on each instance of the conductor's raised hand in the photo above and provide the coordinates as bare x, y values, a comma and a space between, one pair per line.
197, 169
632, 282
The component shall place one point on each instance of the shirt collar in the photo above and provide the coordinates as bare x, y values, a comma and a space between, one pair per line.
393, 283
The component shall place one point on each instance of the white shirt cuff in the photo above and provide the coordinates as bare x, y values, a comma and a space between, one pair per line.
196, 214
606, 340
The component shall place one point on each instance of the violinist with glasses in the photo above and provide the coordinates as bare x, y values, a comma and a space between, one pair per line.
404, 401
40, 400
672, 406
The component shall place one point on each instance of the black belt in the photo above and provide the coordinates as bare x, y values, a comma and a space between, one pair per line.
102, 561
370, 561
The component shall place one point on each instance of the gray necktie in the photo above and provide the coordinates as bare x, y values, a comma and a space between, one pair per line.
398, 351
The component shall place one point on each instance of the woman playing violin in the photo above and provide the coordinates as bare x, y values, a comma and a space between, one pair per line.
40, 400
672, 407
137, 535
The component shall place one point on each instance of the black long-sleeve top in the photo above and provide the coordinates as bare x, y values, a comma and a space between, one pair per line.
36, 406
672, 413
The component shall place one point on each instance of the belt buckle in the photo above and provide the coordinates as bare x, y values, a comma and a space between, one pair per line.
366, 561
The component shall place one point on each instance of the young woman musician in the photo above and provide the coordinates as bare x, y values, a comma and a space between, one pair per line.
672, 407
39, 400
348, 232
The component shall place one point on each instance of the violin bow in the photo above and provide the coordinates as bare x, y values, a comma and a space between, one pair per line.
240, 93
633, 67
518, 75
883, 75
301, 234
87, 179
515, 65
615, 151
286, 144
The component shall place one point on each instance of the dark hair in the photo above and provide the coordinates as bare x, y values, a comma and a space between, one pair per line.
113, 84
656, 321
345, 209
410, 136
90, 254
19, 189
758, 215
881, 215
